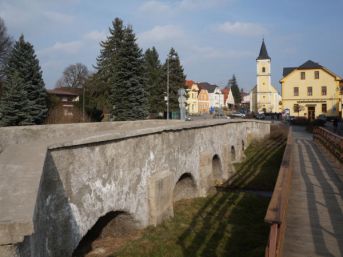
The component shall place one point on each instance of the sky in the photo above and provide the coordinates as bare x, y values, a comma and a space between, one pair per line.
214, 39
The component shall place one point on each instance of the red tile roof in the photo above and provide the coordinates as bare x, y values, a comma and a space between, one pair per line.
189, 83
226, 92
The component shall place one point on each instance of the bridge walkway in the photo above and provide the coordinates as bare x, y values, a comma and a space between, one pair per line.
315, 208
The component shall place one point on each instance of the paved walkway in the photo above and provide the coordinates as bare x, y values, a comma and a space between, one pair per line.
315, 209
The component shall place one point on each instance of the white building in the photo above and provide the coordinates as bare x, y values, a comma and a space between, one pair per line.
215, 95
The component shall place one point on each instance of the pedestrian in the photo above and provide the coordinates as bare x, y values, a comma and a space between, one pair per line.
335, 125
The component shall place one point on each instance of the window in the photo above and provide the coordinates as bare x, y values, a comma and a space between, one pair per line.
323, 90
263, 69
302, 75
309, 91
316, 75
296, 91
324, 108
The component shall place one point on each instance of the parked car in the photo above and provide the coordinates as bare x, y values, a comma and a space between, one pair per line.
220, 116
238, 114
260, 116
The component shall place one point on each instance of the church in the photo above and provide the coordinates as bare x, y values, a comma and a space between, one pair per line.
264, 97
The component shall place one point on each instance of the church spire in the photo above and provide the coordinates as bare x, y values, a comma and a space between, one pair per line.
263, 52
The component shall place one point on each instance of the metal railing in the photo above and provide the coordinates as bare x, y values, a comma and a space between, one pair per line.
276, 213
332, 141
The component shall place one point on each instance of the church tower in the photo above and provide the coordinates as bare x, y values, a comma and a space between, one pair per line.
264, 97
263, 64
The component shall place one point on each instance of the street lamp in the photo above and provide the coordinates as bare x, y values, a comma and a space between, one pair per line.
168, 86
172, 57
83, 103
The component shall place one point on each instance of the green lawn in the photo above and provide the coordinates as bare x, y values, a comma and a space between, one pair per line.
227, 223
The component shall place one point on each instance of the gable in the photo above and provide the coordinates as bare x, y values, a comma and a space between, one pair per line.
308, 65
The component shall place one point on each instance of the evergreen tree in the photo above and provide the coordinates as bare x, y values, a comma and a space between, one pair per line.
128, 92
176, 79
5, 49
14, 103
121, 73
155, 87
235, 90
23, 65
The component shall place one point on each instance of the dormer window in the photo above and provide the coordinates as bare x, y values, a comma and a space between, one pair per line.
263, 69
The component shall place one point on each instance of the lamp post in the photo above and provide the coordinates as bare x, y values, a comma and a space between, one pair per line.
83, 104
168, 87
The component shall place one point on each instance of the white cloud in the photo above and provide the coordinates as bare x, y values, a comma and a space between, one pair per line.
161, 33
58, 17
15, 16
155, 7
72, 47
163, 8
215, 53
201, 4
95, 35
242, 28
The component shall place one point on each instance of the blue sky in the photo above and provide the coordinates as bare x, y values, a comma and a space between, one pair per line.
214, 38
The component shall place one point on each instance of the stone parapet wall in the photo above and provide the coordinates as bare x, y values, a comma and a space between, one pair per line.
131, 167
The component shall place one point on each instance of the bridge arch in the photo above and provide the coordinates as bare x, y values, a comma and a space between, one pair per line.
233, 153
112, 224
217, 171
185, 187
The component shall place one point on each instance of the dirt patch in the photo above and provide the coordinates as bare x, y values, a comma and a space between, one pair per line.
107, 245
108, 234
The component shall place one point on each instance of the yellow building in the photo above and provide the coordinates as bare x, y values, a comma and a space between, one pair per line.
310, 90
264, 97
192, 101
203, 101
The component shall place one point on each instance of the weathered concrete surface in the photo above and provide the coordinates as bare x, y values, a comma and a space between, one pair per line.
56, 181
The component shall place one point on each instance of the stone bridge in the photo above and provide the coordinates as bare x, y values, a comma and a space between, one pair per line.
58, 181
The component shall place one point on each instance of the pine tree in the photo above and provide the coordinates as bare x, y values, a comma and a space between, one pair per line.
235, 90
155, 87
128, 91
121, 73
23, 63
176, 79
14, 103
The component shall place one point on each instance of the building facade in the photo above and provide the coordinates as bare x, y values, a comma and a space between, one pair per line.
215, 95
310, 90
264, 97
203, 101
245, 102
229, 100
192, 100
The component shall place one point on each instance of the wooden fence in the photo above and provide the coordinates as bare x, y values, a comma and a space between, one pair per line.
332, 141
276, 213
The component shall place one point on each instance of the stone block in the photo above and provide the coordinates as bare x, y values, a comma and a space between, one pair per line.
161, 197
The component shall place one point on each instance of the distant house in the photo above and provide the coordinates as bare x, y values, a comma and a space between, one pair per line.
245, 102
63, 106
203, 101
229, 100
192, 101
216, 96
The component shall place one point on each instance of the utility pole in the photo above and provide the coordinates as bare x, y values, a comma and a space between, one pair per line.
83, 104
168, 87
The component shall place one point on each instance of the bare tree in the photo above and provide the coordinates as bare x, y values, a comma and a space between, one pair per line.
5, 46
74, 75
